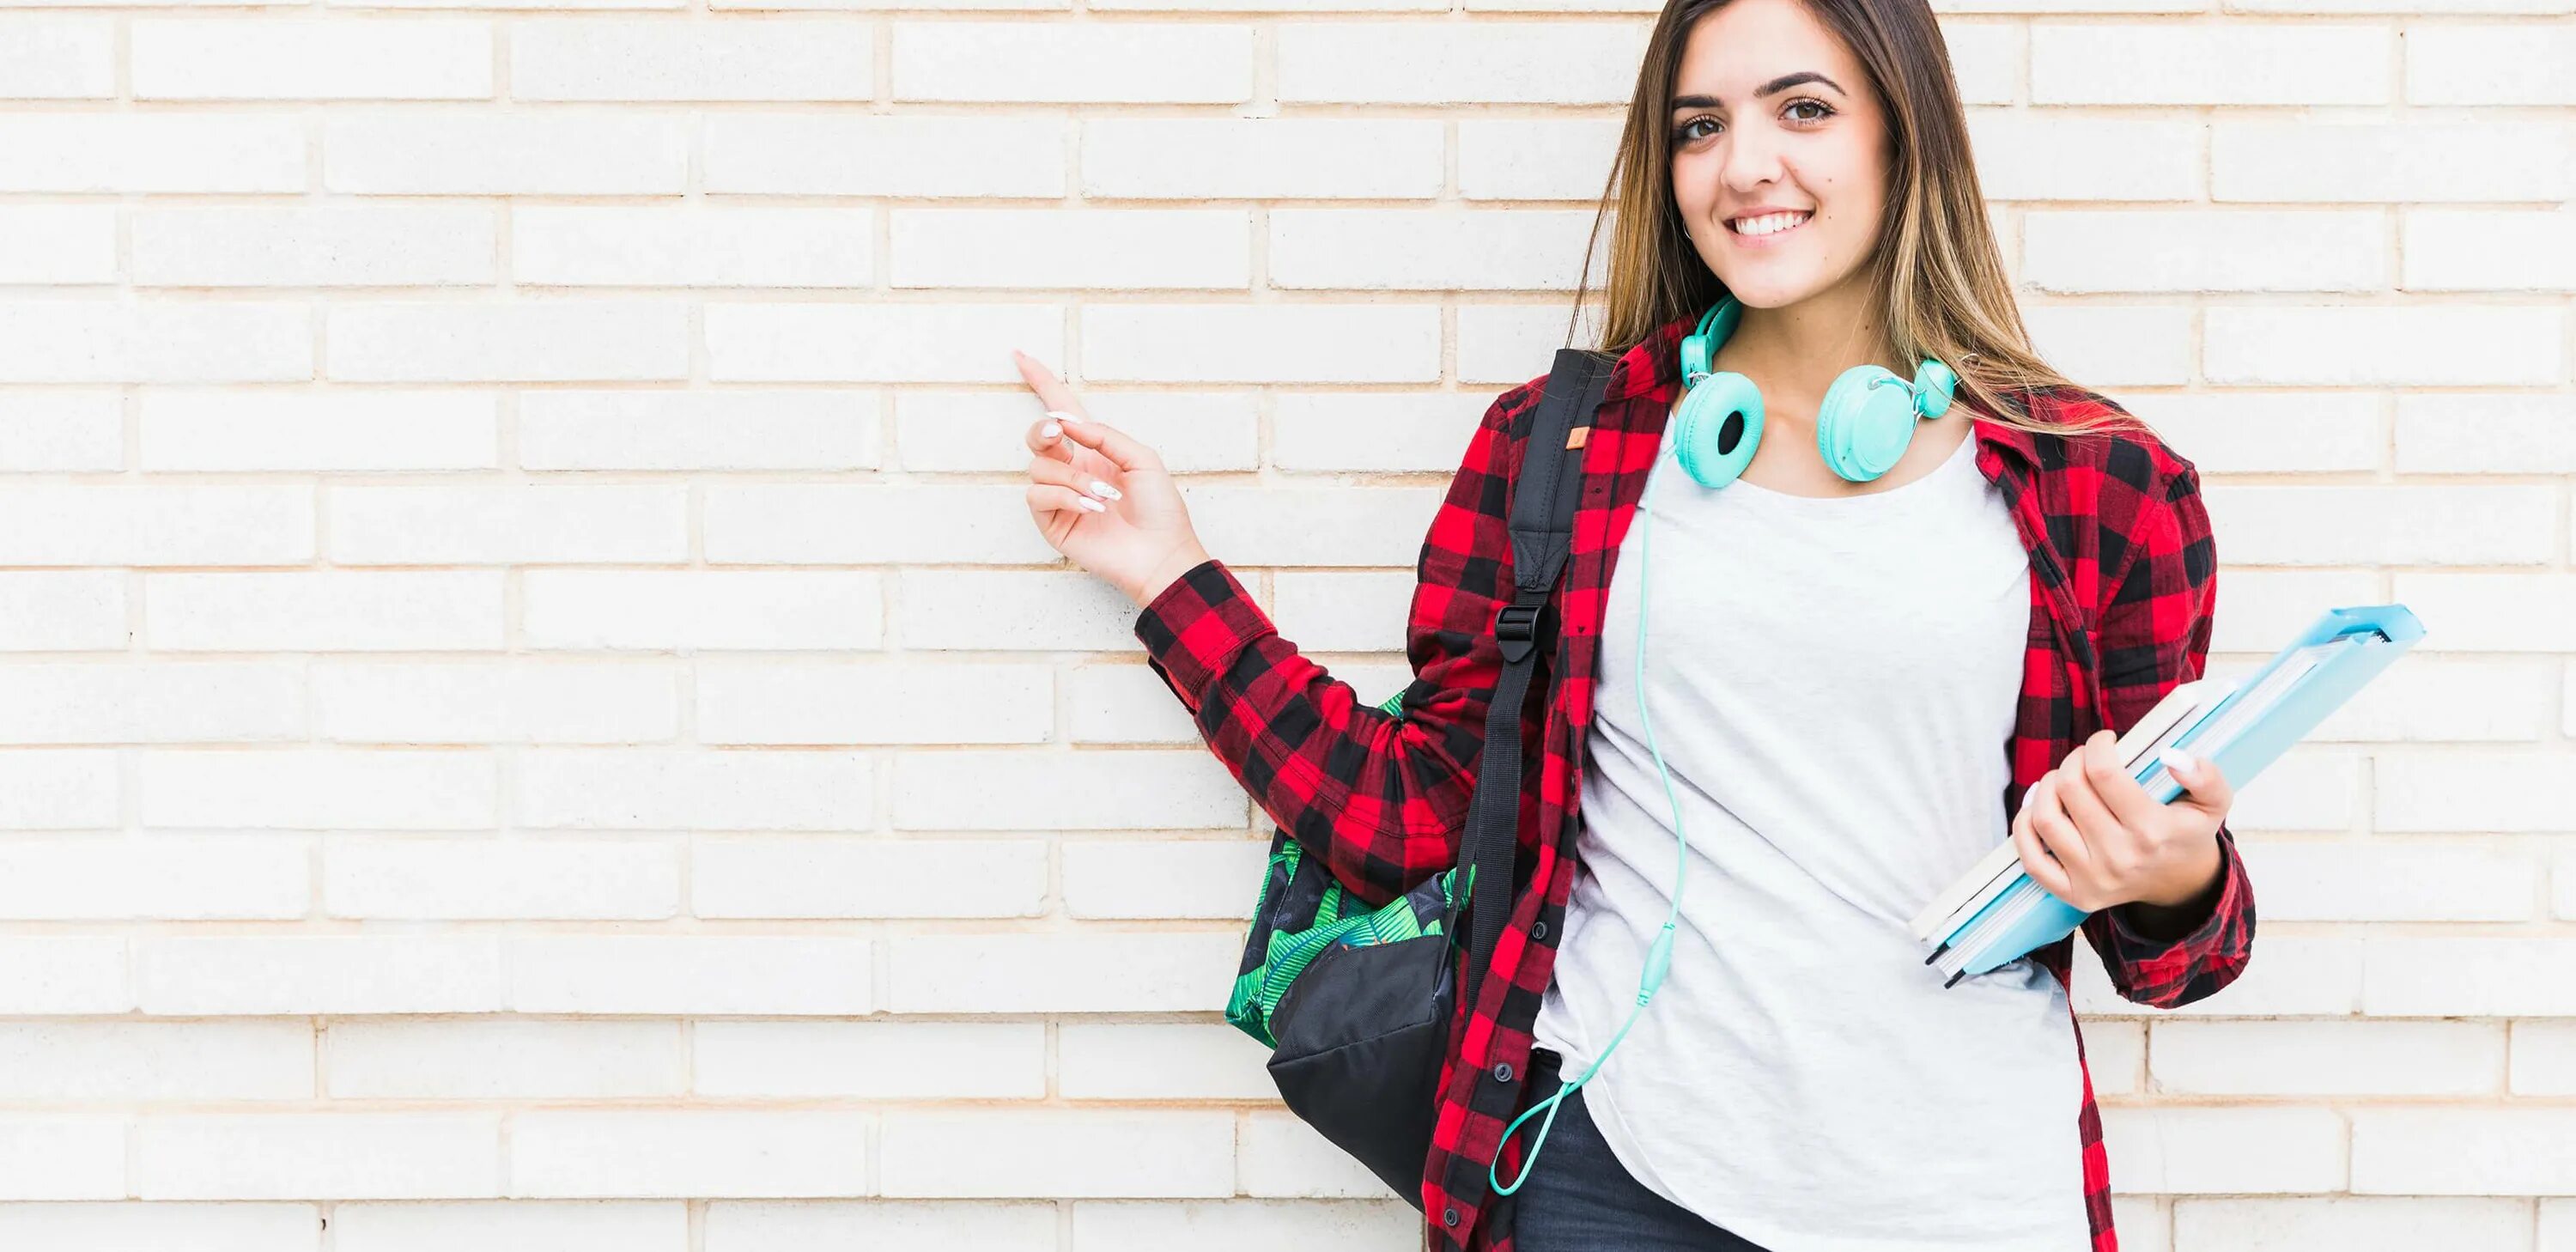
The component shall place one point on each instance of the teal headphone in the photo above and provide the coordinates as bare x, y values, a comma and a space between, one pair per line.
1863, 430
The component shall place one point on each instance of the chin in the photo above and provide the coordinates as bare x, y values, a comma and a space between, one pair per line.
1763, 291
1761, 286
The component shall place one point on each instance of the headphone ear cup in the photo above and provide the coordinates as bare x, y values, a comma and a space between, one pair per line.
1719, 426
1934, 385
1865, 422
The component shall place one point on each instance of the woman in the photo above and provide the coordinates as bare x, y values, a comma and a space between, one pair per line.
1834, 662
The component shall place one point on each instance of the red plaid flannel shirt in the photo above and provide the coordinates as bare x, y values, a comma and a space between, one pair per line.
2122, 587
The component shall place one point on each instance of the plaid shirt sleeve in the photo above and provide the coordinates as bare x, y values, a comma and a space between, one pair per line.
2155, 636
1381, 799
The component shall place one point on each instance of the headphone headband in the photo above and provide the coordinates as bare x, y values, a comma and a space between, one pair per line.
1699, 348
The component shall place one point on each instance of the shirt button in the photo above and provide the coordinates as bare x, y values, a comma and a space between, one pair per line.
1448, 1217
1503, 1071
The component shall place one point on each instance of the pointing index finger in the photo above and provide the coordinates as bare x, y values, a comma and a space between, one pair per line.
1050, 389
1121, 451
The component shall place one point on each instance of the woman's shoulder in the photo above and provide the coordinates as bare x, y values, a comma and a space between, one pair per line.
2121, 447
1509, 418
1512, 411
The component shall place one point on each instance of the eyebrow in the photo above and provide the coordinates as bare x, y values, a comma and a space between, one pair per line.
1772, 88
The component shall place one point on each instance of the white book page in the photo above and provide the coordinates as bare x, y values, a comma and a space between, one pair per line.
2269, 692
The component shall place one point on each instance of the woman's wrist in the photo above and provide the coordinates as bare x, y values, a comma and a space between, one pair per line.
2181, 917
1166, 572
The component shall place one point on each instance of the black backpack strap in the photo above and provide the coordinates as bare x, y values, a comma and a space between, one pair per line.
1542, 527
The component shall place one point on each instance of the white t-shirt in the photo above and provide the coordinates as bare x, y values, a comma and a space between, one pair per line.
1833, 683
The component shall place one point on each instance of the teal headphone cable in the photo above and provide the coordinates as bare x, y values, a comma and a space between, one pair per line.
1861, 430
1659, 958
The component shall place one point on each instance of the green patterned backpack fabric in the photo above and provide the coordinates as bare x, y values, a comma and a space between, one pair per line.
1303, 910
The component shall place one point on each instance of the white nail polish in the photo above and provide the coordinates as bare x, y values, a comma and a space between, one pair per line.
1091, 504
1062, 416
1103, 490
1050, 430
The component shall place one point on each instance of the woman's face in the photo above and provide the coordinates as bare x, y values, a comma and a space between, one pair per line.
1770, 109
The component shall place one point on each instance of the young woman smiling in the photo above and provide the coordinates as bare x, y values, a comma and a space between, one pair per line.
1863, 681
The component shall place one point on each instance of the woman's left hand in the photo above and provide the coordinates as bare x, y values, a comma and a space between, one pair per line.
2088, 833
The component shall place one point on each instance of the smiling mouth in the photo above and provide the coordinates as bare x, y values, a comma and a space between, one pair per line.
1768, 218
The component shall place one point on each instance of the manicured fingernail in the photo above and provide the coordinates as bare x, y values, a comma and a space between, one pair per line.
2174, 759
1103, 490
1050, 430
1091, 504
1062, 416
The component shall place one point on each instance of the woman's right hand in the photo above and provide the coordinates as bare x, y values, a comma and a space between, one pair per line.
1140, 539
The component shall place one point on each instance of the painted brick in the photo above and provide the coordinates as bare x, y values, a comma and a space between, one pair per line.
1159, 972
2124, 63
1059, 1153
731, 429
311, 59
511, 1225
1125, 63
59, 430
805, 876
611, 1154
331, 1156
871, 1060
414, 150
1188, 158
691, 974
807, 154
608, 59
502, 1059
320, 246
575, 246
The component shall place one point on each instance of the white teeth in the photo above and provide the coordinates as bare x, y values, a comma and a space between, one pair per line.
1770, 224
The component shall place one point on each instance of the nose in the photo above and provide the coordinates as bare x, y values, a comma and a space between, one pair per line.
1750, 162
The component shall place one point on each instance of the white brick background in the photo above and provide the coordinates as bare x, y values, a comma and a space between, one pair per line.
532, 715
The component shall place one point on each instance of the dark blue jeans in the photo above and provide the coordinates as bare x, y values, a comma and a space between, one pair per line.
1580, 1199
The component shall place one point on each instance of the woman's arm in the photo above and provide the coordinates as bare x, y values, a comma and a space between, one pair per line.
1382, 800
2155, 636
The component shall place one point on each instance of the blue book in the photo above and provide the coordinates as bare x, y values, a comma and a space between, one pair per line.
1996, 914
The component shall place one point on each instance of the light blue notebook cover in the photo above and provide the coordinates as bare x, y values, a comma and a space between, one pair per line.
2366, 639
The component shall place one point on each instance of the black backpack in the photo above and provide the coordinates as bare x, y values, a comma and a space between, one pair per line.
1354, 1002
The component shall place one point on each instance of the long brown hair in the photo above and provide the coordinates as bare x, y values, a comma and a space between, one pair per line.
1936, 268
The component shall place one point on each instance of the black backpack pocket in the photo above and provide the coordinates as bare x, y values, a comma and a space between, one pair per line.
1362, 1034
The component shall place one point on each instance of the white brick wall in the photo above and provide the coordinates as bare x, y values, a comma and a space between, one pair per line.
532, 717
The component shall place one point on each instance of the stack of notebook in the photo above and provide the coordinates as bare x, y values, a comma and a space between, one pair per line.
1995, 913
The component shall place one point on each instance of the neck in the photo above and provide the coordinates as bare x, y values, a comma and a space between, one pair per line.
1798, 349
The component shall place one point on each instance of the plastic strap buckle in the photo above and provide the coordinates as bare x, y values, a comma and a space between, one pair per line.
1516, 627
